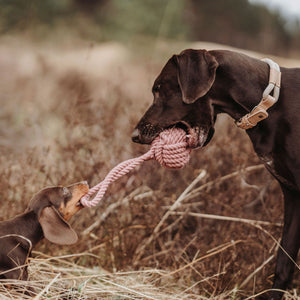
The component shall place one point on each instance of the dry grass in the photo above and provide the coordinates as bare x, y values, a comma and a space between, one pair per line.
59, 278
209, 231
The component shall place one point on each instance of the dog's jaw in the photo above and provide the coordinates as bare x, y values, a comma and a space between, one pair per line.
145, 134
196, 137
70, 208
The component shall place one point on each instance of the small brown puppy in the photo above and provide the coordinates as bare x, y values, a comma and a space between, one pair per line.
46, 216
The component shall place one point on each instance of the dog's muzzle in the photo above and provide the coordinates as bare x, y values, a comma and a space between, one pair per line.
135, 136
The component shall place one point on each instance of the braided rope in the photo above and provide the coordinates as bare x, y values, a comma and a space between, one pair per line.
170, 149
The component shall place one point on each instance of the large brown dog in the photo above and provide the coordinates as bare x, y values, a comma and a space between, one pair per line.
196, 85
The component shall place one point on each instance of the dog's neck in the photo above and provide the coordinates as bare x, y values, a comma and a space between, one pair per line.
32, 231
237, 90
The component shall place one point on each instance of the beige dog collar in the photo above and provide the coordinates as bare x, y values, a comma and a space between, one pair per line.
259, 112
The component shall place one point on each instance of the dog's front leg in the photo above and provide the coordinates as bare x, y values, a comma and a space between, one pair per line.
290, 242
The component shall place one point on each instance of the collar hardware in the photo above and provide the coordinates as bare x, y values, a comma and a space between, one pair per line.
259, 112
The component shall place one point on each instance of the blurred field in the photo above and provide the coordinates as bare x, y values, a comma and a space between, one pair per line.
66, 115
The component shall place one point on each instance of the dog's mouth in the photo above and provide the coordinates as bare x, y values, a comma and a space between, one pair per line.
70, 208
197, 136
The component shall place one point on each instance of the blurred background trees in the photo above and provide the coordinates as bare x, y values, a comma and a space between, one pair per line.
237, 23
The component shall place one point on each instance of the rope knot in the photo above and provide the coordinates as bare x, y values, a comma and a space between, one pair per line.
170, 148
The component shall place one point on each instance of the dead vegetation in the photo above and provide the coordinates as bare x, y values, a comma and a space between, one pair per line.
209, 231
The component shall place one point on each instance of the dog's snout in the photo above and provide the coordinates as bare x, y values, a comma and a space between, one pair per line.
136, 136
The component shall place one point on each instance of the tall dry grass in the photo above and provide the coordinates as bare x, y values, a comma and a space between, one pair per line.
66, 115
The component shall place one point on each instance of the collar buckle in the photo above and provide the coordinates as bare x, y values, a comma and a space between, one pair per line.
259, 112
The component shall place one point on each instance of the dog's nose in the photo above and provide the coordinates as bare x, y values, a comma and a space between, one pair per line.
136, 136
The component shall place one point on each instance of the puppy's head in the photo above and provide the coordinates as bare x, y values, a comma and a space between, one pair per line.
54, 206
181, 99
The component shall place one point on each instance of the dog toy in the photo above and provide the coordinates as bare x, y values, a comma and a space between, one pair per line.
170, 149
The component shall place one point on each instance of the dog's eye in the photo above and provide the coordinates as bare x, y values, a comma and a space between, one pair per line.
156, 88
66, 192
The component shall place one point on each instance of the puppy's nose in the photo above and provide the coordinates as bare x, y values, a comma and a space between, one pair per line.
136, 136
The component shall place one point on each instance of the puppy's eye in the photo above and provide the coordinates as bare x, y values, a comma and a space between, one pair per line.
66, 192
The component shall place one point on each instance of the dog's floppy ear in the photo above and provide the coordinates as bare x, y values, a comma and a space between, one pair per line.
55, 228
196, 73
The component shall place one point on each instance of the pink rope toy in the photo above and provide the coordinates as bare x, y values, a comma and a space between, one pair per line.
170, 149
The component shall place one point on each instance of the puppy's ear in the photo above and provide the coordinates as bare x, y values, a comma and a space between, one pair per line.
196, 73
55, 228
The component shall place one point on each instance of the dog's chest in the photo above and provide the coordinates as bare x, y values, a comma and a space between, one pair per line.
268, 161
